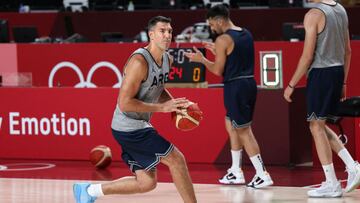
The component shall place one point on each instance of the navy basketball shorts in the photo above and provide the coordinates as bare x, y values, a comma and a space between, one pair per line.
323, 92
142, 149
239, 100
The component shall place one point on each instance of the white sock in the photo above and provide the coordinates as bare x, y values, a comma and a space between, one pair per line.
258, 164
236, 159
95, 190
347, 159
330, 173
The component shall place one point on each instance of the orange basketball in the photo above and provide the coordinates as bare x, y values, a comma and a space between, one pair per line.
191, 118
100, 156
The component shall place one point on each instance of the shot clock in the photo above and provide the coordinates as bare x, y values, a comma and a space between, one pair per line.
184, 71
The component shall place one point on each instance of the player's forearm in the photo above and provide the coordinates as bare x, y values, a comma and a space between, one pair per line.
135, 105
303, 65
347, 65
211, 66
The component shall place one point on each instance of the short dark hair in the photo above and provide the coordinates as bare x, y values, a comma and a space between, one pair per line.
219, 10
152, 22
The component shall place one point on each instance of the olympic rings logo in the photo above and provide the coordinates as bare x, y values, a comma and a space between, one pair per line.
83, 82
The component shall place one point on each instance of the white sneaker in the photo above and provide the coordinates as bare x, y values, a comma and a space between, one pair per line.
353, 180
261, 181
233, 177
327, 189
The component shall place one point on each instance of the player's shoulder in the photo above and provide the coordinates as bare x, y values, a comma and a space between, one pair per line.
224, 40
138, 59
314, 13
313, 17
136, 64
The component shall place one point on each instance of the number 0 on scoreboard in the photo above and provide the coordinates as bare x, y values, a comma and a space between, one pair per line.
271, 69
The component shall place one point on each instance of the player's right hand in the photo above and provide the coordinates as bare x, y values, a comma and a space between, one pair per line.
343, 93
287, 93
196, 56
175, 105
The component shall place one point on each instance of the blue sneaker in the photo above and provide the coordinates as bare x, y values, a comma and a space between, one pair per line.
80, 193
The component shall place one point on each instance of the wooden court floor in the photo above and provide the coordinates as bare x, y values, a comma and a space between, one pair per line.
13, 190
40, 182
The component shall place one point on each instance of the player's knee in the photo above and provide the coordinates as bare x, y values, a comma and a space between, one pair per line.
147, 185
232, 132
179, 158
176, 158
242, 132
315, 128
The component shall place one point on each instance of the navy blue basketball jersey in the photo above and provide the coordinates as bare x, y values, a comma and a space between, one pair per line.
240, 62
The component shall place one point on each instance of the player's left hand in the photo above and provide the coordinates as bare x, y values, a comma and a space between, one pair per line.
287, 93
196, 56
210, 46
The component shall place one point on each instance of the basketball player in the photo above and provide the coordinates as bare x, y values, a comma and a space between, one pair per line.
234, 60
142, 93
326, 59
234, 174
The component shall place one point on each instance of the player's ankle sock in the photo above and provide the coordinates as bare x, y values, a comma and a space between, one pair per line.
347, 159
236, 159
95, 190
329, 172
258, 165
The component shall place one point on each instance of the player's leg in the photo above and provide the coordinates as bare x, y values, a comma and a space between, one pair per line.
235, 144
175, 160
248, 139
317, 128
323, 96
240, 99
335, 142
234, 174
262, 177
331, 187
352, 167
322, 93
143, 181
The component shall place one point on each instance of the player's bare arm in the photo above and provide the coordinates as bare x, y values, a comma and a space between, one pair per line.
311, 24
135, 73
216, 67
222, 44
346, 64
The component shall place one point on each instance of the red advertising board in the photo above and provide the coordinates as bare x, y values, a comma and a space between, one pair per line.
66, 123
69, 64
